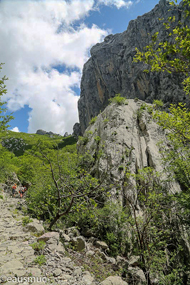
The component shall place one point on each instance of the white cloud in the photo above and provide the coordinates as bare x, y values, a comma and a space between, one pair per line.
34, 37
37, 35
15, 129
118, 3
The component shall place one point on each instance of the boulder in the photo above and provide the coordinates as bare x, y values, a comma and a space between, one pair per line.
47, 236
87, 279
134, 260
121, 261
101, 244
34, 227
57, 272
137, 274
90, 253
65, 237
72, 232
113, 280
78, 243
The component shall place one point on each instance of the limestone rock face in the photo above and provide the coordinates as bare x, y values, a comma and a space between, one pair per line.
111, 70
128, 139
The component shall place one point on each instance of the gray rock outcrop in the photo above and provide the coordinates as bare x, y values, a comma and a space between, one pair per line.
128, 138
77, 130
113, 280
111, 70
50, 134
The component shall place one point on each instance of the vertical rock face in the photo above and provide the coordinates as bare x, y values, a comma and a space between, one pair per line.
128, 139
111, 70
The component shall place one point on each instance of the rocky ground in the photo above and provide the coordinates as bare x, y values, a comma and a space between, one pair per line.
42, 263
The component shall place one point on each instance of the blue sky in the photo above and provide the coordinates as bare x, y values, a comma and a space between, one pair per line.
44, 47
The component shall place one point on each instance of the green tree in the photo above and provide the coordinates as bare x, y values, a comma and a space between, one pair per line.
4, 119
173, 56
155, 230
63, 188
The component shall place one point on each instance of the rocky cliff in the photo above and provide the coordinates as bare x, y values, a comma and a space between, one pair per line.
111, 70
124, 139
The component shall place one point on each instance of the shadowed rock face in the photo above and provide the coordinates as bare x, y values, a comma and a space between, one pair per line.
110, 69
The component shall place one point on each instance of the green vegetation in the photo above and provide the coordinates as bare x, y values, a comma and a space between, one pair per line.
40, 260
26, 220
159, 232
106, 120
97, 139
93, 120
62, 192
172, 55
158, 104
153, 232
38, 246
118, 100
4, 118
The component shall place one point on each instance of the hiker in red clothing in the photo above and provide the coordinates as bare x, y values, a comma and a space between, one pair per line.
25, 189
21, 191
14, 190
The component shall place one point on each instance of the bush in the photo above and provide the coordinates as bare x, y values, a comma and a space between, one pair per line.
38, 246
26, 220
107, 224
83, 140
93, 120
158, 104
118, 99
40, 260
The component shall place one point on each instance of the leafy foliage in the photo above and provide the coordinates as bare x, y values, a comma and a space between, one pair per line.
155, 236
65, 187
118, 99
93, 120
171, 56
4, 119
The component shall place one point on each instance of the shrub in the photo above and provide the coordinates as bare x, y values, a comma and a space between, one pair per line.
118, 99
26, 220
83, 140
93, 120
38, 245
97, 139
40, 260
158, 104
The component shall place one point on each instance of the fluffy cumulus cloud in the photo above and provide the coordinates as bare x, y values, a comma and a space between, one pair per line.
35, 37
118, 3
15, 129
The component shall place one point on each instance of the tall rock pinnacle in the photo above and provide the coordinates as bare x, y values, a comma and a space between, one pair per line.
111, 70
